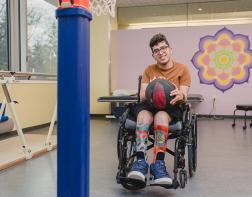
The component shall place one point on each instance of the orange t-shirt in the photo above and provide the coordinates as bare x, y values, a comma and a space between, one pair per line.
179, 74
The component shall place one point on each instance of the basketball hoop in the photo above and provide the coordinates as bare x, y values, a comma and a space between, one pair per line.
98, 7
105, 7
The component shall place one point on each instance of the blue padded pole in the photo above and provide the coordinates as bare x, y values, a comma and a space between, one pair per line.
73, 102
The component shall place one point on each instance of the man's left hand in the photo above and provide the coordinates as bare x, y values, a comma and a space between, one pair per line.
178, 96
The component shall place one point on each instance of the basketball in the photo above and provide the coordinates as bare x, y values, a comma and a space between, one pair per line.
158, 93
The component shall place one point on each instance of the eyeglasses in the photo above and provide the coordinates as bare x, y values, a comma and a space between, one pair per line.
160, 50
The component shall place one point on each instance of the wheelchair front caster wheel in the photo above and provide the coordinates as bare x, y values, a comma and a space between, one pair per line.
119, 175
244, 127
233, 125
182, 178
132, 184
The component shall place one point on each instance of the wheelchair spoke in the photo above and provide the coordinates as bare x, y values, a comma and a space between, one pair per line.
170, 152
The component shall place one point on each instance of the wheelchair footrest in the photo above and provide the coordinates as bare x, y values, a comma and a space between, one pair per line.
131, 184
174, 185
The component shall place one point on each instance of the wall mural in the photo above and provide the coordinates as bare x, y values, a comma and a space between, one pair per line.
224, 59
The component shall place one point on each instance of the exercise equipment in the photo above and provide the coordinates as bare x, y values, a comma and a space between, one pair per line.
6, 123
8, 78
73, 99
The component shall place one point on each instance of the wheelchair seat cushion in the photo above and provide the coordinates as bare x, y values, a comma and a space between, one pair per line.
175, 126
175, 111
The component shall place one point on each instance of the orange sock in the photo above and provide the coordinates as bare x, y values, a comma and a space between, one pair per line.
161, 136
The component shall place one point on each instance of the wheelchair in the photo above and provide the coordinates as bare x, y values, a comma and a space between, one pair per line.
184, 132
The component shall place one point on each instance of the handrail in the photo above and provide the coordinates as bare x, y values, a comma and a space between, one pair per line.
25, 74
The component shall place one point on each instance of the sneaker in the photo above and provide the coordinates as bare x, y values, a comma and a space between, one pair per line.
161, 176
139, 170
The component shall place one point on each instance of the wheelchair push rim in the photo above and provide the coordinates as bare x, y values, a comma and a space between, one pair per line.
192, 147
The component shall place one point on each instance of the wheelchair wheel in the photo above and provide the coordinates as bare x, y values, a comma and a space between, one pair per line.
195, 144
125, 149
192, 147
130, 152
126, 155
119, 142
182, 178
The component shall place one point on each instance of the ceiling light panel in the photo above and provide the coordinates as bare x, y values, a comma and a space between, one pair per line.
131, 3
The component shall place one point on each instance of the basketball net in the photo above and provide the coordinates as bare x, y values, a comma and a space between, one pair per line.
97, 7
105, 7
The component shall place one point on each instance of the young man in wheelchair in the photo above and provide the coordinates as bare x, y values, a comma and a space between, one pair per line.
147, 115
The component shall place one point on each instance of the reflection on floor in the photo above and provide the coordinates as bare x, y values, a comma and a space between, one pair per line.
224, 166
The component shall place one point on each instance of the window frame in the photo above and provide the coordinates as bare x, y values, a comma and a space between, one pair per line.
7, 34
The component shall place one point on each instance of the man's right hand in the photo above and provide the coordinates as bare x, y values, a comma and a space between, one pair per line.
142, 91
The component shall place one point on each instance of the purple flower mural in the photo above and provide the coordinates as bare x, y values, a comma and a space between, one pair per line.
224, 59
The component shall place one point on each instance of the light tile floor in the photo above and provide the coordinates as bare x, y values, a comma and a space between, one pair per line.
224, 166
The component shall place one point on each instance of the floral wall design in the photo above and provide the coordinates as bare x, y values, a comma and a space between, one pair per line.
224, 59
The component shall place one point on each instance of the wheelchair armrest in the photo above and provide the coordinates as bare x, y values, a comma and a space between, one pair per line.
176, 126
130, 124
185, 106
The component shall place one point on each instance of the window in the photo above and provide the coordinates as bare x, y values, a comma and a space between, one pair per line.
41, 37
3, 36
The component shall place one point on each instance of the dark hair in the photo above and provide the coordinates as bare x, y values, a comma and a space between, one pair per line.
157, 39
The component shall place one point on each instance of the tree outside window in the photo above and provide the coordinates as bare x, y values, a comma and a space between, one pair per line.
42, 37
3, 36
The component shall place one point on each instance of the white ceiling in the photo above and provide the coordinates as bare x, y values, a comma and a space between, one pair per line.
130, 3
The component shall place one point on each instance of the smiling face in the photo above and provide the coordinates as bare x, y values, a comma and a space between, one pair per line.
161, 52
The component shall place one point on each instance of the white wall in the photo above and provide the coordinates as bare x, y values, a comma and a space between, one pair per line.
99, 64
35, 102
